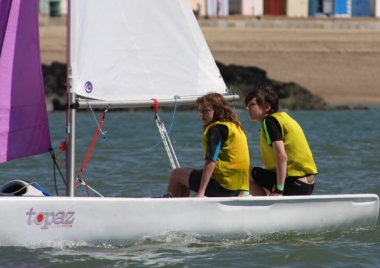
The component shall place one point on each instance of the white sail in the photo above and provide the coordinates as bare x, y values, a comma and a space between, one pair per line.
139, 50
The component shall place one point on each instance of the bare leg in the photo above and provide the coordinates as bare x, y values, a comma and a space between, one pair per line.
254, 188
179, 182
185, 191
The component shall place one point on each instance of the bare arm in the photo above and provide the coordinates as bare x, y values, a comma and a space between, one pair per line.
281, 162
206, 176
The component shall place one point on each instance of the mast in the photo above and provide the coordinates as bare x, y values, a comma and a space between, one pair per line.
70, 113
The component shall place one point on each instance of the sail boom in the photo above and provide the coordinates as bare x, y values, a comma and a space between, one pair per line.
84, 104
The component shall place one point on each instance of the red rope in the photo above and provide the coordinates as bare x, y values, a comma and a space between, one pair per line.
62, 148
92, 145
155, 106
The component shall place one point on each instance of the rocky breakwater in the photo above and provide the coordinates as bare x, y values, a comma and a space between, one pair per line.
55, 86
238, 79
292, 96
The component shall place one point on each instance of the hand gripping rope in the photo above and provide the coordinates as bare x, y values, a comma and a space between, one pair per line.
165, 136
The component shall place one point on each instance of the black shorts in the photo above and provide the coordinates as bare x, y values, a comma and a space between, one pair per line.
213, 189
268, 179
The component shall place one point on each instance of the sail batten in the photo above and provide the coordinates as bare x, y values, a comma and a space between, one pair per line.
24, 127
139, 50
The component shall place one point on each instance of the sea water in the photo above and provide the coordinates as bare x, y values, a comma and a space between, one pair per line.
129, 160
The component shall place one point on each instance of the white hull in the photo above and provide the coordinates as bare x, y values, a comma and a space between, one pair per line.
123, 221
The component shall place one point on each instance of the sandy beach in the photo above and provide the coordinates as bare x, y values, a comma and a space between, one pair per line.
340, 65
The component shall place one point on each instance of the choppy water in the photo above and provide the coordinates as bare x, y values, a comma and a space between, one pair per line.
345, 145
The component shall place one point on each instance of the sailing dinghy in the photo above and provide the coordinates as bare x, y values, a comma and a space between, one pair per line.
124, 54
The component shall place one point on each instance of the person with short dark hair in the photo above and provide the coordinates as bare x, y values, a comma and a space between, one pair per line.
288, 165
225, 172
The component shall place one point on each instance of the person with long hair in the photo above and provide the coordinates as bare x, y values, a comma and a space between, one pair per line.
288, 165
225, 172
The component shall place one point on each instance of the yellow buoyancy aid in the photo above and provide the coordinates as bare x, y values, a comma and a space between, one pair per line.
300, 159
232, 164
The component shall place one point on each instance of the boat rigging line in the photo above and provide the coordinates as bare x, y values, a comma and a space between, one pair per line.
148, 149
165, 137
161, 128
80, 178
56, 164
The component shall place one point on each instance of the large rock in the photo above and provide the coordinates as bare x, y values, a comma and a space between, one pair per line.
239, 79
292, 96
55, 85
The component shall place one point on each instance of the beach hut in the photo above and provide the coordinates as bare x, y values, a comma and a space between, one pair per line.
63, 6
361, 8
217, 8
297, 8
375, 8
235, 6
274, 7
44, 6
342, 8
246, 7
334, 8
257, 8
199, 7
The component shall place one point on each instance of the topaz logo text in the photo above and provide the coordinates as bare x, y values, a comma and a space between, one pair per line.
60, 219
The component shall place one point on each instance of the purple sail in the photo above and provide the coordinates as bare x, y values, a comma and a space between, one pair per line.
24, 126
